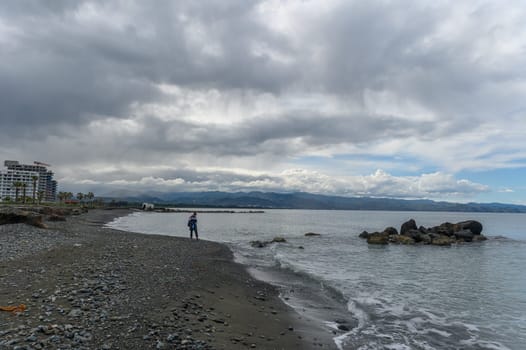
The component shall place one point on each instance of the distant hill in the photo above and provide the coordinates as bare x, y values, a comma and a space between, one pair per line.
302, 200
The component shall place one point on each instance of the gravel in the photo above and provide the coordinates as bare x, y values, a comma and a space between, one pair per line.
89, 287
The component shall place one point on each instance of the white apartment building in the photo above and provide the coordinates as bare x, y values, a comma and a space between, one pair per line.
8, 179
24, 173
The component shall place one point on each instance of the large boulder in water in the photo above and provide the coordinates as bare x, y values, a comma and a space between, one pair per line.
414, 234
464, 235
446, 229
471, 225
408, 225
390, 231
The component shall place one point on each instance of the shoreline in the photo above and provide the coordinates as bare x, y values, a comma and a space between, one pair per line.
97, 287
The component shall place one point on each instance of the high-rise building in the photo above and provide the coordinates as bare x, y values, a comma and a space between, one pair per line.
25, 174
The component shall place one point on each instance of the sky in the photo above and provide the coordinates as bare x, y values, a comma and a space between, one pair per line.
400, 99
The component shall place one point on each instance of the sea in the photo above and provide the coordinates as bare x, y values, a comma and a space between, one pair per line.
395, 297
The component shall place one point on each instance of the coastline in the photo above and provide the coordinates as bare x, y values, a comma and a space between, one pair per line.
96, 287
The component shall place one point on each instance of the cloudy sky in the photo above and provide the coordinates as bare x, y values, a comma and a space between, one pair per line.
405, 99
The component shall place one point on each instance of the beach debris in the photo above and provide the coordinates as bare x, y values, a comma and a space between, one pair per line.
444, 234
14, 309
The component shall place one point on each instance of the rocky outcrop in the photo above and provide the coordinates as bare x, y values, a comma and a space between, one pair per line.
391, 231
378, 238
19, 216
442, 235
35, 215
408, 225
442, 240
399, 239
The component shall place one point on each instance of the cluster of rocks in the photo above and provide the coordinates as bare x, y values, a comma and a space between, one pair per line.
278, 239
442, 235
262, 244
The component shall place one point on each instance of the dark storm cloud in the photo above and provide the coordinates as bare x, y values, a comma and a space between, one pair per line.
73, 61
272, 133
59, 67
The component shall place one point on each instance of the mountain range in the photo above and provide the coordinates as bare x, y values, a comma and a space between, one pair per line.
303, 200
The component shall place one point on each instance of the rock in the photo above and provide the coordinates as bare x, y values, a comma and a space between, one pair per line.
479, 238
474, 226
408, 225
415, 234
441, 240
364, 234
258, 244
464, 235
391, 231
75, 313
172, 337
262, 244
343, 327
310, 234
425, 238
399, 239
447, 229
422, 229
378, 238
56, 217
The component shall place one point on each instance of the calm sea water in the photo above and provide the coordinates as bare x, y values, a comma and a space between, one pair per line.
469, 296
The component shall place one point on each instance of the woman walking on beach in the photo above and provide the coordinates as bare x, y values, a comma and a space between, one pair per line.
192, 225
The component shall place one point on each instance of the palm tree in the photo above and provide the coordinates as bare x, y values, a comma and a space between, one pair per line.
17, 185
40, 196
80, 195
35, 179
24, 187
90, 197
61, 196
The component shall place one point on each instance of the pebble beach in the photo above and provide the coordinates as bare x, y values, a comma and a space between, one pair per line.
85, 286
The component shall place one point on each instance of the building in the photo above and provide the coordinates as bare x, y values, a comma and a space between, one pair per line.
25, 173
